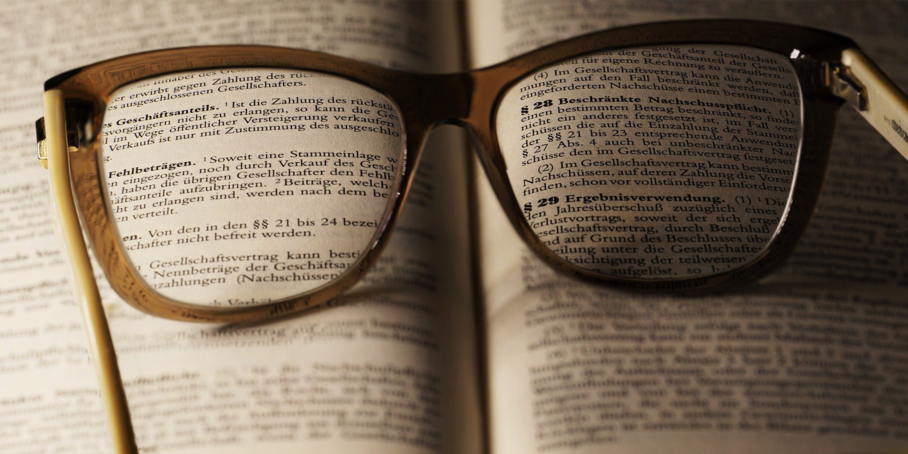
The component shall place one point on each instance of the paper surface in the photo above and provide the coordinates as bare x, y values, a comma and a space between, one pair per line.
390, 368
804, 361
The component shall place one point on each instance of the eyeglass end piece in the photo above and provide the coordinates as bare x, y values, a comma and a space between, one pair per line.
72, 137
848, 88
42, 143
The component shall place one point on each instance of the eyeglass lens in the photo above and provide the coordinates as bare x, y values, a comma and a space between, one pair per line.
199, 163
655, 162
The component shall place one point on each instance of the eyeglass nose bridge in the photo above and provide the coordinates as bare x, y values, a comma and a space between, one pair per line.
430, 100
465, 99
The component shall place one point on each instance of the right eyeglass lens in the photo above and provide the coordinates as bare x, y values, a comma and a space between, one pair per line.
655, 163
239, 187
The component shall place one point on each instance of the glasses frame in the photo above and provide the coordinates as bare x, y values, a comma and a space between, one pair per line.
425, 101
467, 99
827, 66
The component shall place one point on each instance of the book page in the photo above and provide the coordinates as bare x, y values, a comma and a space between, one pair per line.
808, 359
390, 367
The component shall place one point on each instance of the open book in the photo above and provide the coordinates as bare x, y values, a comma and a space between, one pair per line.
460, 340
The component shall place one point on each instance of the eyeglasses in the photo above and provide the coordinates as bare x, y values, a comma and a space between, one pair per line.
237, 183
241, 182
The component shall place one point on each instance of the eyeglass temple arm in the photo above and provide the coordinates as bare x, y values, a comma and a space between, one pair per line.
861, 82
85, 289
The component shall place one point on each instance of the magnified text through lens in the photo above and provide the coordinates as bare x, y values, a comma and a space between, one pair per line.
236, 187
655, 162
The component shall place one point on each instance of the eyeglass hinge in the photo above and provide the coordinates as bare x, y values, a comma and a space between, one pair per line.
844, 85
72, 137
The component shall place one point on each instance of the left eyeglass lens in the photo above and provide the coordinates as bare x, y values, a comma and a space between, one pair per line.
238, 187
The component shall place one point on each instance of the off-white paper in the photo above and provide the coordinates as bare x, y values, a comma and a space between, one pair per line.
808, 360
389, 368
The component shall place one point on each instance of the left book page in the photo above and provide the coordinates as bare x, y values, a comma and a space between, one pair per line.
391, 368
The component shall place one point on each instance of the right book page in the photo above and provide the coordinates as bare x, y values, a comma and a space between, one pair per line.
810, 359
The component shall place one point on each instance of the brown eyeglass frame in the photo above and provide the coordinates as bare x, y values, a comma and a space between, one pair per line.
467, 99
831, 70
